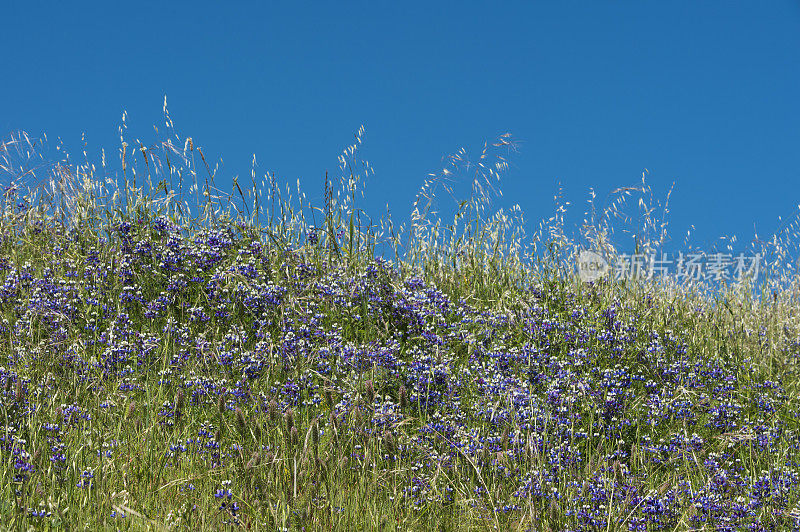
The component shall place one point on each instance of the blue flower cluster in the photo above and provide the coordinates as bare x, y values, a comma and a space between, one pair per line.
583, 413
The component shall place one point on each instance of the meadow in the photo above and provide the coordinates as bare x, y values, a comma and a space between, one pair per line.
177, 357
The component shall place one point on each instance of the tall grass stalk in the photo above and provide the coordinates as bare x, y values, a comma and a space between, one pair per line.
178, 356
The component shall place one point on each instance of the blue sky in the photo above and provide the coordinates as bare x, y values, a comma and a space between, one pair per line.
702, 94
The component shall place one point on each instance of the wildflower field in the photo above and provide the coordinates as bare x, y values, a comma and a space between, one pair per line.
174, 357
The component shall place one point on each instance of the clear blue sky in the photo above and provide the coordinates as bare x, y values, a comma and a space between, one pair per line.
705, 94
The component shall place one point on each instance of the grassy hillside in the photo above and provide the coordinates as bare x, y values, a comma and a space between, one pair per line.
173, 360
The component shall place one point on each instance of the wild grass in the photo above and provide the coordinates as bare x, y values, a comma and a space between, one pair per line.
178, 357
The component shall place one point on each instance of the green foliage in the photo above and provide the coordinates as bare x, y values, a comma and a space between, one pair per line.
195, 410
